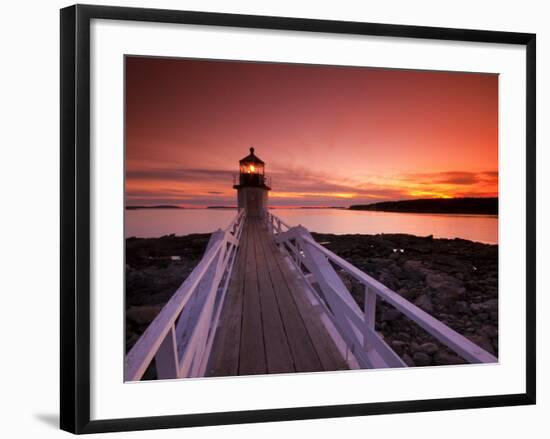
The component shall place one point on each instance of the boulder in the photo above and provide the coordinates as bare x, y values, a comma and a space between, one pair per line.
133, 277
414, 270
482, 341
424, 302
387, 279
449, 295
489, 331
428, 348
408, 360
346, 278
482, 316
442, 358
421, 359
142, 315
398, 346
490, 305
476, 308
404, 335
413, 265
406, 293
437, 280
447, 288
461, 307
389, 315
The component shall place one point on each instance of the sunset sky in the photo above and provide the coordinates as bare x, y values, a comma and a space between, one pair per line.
330, 136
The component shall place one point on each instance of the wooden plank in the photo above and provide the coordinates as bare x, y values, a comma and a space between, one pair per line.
278, 355
225, 351
218, 306
326, 350
267, 324
300, 343
328, 353
252, 351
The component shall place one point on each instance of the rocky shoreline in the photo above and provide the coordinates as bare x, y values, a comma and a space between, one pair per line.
155, 268
455, 280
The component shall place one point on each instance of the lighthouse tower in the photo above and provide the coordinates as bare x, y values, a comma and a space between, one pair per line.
252, 188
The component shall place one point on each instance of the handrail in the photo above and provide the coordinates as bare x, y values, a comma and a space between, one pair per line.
179, 348
356, 326
274, 223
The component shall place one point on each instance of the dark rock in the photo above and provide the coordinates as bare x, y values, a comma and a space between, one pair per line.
387, 279
489, 331
346, 278
408, 360
131, 339
482, 316
441, 269
398, 346
407, 293
414, 266
447, 288
421, 359
428, 348
461, 307
389, 315
476, 308
437, 280
490, 305
404, 336
424, 302
442, 358
483, 342
449, 296
142, 314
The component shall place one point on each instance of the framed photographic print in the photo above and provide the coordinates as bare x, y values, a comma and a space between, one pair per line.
268, 218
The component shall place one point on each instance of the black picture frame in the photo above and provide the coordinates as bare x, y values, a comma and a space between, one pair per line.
75, 216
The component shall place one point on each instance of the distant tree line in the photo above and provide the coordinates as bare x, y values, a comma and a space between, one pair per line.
481, 206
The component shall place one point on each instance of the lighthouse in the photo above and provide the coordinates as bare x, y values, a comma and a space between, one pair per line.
252, 188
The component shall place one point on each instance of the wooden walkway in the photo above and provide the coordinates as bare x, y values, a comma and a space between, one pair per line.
267, 324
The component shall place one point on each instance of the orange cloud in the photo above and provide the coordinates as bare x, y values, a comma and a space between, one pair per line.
329, 135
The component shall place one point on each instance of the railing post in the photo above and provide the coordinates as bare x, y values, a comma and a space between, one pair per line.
166, 359
190, 325
370, 315
169, 337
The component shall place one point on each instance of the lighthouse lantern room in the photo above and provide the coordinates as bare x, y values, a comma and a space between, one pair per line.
252, 188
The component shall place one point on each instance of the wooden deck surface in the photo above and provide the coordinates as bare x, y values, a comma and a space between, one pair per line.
267, 323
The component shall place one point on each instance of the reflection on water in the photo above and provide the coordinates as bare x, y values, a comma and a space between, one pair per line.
158, 222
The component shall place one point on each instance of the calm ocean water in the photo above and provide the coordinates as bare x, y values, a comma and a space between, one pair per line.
149, 223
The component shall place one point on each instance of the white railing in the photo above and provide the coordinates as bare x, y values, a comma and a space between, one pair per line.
180, 338
316, 264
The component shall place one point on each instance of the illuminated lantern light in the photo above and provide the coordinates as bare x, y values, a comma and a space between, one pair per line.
252, 187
